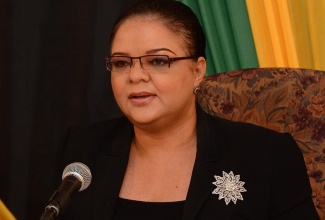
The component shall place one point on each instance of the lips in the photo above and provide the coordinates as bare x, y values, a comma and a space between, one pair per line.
140, 95
141, 98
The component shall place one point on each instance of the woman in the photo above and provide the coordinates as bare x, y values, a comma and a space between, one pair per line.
167, 159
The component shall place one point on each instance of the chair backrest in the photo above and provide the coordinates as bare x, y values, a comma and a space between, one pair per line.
285, 100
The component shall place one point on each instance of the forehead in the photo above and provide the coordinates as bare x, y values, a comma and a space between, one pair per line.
140, 34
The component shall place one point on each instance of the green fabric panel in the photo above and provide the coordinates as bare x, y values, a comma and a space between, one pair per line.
193, 4
242, 32
224, 30
212, 37
229, 36
211, 69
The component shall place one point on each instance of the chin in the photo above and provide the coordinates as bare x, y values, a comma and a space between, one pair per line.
145, 119
142, 120
139, 115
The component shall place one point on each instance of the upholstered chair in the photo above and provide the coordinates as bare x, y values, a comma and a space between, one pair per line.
285, 100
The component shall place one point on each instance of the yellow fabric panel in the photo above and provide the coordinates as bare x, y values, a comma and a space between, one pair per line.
273, 20
316, 15
273, 33
299, 18
5, 214
287, 34
308, 21
261, 35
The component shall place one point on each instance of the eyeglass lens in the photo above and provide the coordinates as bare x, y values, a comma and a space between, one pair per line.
148, 62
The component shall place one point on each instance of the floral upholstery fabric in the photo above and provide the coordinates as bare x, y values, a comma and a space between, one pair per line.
284, 100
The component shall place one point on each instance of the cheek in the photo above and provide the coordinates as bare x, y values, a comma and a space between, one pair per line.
117, 86
175, 87
185, 80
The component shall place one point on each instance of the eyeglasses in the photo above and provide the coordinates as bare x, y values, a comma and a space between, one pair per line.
123, 64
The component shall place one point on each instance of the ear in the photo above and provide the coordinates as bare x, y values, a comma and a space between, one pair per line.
200, 68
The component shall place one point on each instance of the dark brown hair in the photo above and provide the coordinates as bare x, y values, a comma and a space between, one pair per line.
176, 16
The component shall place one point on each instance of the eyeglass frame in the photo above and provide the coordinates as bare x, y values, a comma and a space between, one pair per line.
170, 59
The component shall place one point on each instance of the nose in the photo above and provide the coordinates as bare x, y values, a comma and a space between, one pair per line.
137, 73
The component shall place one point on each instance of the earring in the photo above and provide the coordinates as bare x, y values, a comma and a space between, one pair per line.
196, 90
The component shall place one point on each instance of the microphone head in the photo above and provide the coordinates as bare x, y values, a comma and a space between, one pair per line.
79, 170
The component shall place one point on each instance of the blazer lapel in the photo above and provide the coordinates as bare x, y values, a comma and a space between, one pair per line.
207, 165
201, 187
111, 169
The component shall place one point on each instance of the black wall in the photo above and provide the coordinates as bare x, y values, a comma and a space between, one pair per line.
52, 77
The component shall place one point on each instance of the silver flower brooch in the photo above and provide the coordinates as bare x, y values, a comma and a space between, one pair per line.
229, 187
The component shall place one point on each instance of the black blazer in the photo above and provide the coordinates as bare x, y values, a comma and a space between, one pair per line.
270, 164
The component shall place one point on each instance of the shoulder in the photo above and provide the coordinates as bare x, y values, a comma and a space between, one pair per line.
98, 131
104, 126
240, 131
244, 143
86, 142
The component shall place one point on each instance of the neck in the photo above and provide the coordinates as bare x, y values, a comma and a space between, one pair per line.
173, 140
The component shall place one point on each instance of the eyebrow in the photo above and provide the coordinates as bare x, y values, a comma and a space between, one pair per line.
119, 54
148, 52
159, 49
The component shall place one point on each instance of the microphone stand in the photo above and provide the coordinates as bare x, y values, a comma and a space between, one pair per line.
50, 213
61, 198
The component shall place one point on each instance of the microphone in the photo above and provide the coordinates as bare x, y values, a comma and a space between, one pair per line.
76, 177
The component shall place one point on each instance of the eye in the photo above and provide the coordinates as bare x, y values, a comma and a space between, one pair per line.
158, 61
120, 62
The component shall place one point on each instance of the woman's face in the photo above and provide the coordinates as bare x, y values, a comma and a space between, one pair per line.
154, 97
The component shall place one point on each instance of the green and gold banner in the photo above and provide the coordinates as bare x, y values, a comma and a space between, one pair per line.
262, 33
